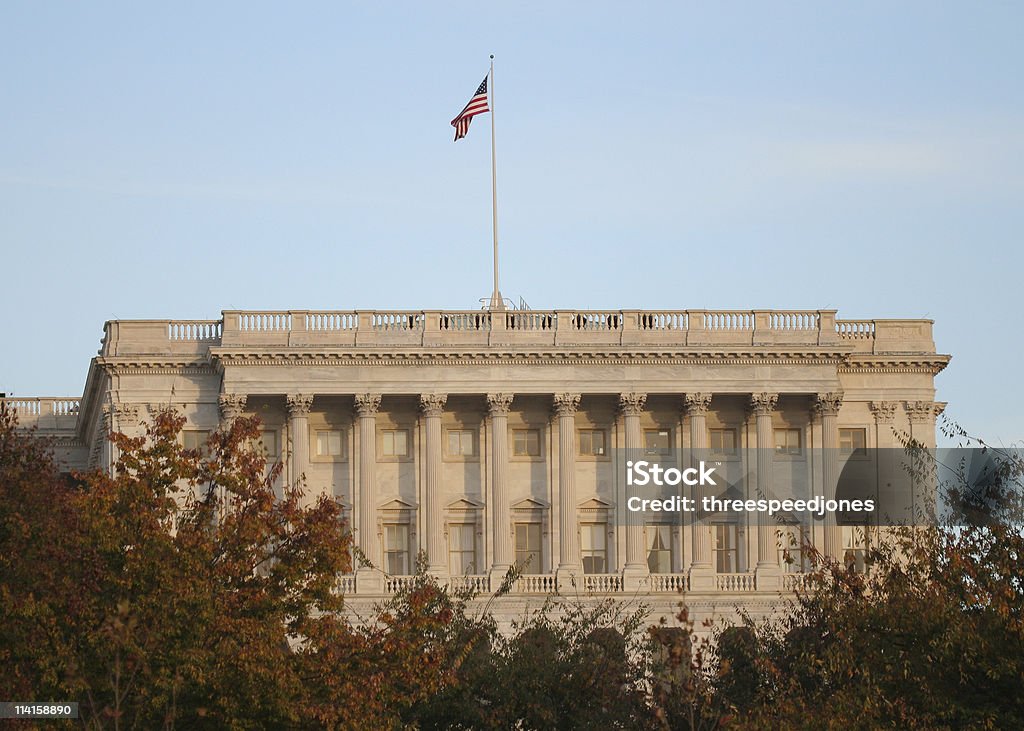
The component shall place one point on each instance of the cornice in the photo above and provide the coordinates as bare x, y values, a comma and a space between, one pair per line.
140, 365
928, 364
574, 356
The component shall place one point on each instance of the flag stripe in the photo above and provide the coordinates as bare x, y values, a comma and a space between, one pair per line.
477, 105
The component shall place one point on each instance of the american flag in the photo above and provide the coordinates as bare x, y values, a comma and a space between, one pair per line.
477, 105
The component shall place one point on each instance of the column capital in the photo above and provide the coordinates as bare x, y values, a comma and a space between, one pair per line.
696, 404
566, 403
632, 404
923, 411
763, 403
884, 411
367, 403
498, 403
828, 404
432, 404
299, 404
126, 414
232, 405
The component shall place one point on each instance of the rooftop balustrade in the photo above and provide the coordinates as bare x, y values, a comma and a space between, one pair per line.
703, 329
44, 412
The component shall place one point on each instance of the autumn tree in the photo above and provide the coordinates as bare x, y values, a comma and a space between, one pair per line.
168, 593
932, 636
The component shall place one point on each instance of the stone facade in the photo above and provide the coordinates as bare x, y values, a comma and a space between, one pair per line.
481, 438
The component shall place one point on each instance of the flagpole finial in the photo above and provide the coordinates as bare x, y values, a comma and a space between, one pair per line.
492, 56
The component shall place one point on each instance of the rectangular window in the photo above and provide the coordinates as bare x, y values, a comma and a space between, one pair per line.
528, 548
268, 443
461, 443
659, 548
726, 548
658, 442
195, 439
594, 548
396, 549
394, 443
526, 442
793, 539
853, 442
854, 547
592, 442
462, 549
328, 443
788, 441
722, 442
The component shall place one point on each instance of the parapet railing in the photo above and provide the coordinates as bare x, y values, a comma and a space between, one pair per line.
441, 328
44, 412
547, 584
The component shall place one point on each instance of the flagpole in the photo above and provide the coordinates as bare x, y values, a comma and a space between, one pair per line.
496, 301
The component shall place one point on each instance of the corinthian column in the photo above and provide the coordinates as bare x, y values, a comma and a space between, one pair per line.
497, 406
763, 404
298, 426
569, 540
701, 574
826, 407
366, 411
632, 406
432, 406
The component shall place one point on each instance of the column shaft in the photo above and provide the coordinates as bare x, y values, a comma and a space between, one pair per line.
827, 407
569, 540
763, 404
298, 427
498, 404
366, 409
631, 405
697, 408
432, 406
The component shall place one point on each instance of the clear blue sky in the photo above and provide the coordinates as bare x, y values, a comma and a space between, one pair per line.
179, 160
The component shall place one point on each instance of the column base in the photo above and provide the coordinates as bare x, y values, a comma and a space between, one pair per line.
496, 576
569, 579
635, 578
768, 577
438, 574
369, 581
702, 578
833, 542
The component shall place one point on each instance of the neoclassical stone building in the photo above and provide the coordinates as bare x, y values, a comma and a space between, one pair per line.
487, 438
